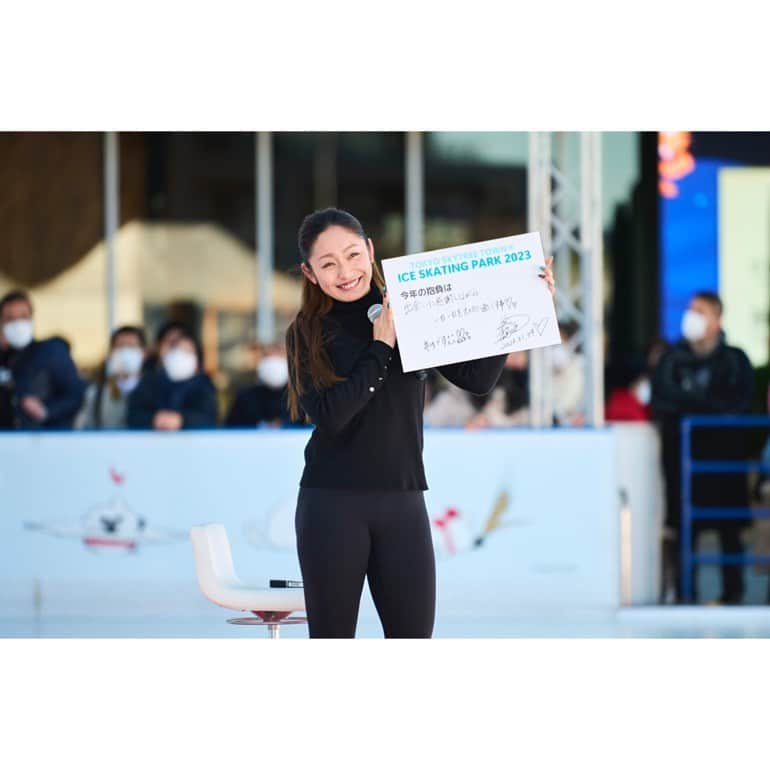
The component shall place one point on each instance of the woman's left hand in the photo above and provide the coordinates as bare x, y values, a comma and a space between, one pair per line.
546, 273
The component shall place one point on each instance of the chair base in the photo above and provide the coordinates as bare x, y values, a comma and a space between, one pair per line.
272, 624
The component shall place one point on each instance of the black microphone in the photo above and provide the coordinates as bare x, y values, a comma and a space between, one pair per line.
373, 313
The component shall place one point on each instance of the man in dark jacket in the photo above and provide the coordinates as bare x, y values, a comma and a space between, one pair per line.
40, 377
703, 375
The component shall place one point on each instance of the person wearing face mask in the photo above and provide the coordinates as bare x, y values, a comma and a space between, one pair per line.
167, 335
179, 395
629, 399
507, 406
39, 376
702, 374
265, 402
106, 401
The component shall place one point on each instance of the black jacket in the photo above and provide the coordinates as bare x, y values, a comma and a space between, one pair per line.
195, 399
258, 404
684, 383
46, 370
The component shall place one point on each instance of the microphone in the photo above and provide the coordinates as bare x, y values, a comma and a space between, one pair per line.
373, 313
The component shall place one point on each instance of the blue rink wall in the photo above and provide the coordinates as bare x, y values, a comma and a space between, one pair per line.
94, 525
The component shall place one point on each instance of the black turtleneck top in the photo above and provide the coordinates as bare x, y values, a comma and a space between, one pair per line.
368, 429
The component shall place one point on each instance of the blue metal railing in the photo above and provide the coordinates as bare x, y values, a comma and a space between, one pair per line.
691, 512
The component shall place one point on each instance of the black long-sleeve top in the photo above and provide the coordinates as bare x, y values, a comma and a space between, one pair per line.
368, 428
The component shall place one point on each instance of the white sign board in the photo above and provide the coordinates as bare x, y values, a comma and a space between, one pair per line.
472, 301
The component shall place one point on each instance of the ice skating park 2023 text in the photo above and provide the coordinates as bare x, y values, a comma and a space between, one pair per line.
460, 263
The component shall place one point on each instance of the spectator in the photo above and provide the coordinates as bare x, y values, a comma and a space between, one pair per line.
106, 402
179, 395
629, 400
6, 386
505, 406
265, 402
701, 375
46, 389
167, 335
568, 379
508, 403
450, 407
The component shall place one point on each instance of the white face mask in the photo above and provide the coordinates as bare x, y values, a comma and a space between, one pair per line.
125, 362
560, 357
180, 364
127, 384
694, 326
643, 392
19, 333
273, 371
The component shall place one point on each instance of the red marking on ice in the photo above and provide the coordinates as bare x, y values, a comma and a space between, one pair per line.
442, 522
116, 477
109, 543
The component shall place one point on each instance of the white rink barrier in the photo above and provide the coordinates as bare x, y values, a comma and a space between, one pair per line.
96, 524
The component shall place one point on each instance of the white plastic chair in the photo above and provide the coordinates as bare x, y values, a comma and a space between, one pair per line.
219, 583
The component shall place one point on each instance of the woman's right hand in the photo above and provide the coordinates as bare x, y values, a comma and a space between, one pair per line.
384, 327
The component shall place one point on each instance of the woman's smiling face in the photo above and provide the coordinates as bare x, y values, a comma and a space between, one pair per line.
341, 264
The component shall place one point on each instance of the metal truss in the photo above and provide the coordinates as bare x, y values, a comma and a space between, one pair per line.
564, 205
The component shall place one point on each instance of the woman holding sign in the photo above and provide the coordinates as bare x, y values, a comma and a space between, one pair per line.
360, 511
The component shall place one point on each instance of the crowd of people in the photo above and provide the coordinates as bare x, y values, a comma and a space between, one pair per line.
164, 386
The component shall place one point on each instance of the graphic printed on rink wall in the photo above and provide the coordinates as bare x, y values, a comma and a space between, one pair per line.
519, 518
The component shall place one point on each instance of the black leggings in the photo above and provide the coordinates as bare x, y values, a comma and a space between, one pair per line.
344, 535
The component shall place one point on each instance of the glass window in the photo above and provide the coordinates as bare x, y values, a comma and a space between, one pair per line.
362, 172
195, 252
51, 222
475, 186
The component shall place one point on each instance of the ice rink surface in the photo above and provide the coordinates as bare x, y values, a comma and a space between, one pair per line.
643, 622
146, 609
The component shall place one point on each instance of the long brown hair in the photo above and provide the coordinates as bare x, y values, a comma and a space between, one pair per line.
305, 338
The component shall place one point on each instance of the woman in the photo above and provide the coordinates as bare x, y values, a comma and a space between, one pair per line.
179, 395
106, 400
360, 510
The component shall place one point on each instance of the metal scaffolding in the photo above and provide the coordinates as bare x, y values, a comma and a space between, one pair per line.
567, 212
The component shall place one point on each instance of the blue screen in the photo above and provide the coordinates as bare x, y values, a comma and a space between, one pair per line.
689, 244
